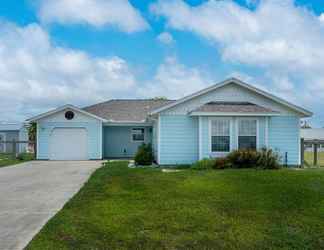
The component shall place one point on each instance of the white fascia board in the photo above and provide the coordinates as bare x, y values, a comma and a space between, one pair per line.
128, 123
231, 114
304, 112
59, 109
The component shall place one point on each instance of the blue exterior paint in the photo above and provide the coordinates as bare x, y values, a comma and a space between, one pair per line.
262, 132
117, 141
44, 130
284, 137
178, 139
204, 138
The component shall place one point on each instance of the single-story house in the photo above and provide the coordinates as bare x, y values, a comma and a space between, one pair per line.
13, 132
209, 123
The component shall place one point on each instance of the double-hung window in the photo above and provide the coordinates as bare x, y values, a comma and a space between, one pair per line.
138, 134
220, 136
247, 134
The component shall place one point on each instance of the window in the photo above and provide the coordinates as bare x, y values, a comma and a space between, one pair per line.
138, 134
220, 135
247, 134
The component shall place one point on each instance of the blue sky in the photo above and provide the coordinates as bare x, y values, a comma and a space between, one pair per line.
82, 52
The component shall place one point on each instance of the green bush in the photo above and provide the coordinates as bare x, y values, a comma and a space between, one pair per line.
268, 159
222, 163
26, 157
204, 164
243, 158
144, 155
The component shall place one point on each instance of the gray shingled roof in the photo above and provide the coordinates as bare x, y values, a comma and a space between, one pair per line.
126, 110
233, 107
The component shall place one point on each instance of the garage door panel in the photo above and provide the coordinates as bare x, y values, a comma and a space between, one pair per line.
68, 144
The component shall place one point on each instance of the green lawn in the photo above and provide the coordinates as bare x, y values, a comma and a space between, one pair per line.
9, 159
122, 208
309, 158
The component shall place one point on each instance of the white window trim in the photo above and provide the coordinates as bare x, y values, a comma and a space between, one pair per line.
4, 144
132, 140
210, 135
257, 130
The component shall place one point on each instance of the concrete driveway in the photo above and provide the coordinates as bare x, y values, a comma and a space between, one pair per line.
31, 193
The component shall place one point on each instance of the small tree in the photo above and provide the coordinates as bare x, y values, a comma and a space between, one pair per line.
32, 131
144, 155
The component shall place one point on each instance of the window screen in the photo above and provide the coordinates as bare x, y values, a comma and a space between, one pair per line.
247, 137
220, 136
138, 134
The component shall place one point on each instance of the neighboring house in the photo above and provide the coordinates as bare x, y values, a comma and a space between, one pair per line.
210, 123
312, 134
10, 132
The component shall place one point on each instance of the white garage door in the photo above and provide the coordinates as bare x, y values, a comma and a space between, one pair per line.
68, 144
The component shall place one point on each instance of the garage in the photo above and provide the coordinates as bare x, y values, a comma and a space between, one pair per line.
68, 144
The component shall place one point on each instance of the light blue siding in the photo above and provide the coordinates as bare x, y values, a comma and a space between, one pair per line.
204, 137
262, 132
118, 141
44, 130
178, 139
284, 137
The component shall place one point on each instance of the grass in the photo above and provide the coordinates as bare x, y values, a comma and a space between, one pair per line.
9, 159
122, 208
309, 158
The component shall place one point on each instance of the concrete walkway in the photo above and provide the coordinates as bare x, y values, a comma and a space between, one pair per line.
31, 193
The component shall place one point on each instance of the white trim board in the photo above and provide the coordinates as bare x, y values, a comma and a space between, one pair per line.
231, 114
65, 107
302, 111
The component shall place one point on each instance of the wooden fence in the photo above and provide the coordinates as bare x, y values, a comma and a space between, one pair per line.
314, 145
15, 147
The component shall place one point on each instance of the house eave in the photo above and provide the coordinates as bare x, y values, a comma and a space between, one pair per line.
127, 123
65, 107
231, 114
303, 112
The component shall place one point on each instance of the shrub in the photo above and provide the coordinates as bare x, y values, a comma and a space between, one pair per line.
243, 158
268, 159
222, 163
144, 155
25, 157
204, 164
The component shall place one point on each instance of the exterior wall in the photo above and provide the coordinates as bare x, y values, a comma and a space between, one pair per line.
229, 93
154, 139
118, 141
205, 137
47, 125
10, 136
178, 139
284, 136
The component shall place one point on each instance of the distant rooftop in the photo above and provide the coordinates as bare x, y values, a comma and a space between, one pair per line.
233, 107
312, 133
126, 110
4, 126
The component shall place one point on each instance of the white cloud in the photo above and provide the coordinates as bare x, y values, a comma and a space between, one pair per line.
98, 13
175, 80
278, 37
36, 75
321, 18
166, 38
